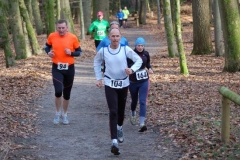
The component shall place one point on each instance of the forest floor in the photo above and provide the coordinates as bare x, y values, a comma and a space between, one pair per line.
183, 114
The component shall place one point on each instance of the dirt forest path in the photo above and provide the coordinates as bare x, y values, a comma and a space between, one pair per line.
87, 136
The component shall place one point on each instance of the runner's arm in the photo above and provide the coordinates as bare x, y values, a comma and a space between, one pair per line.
148, 65
135, 58
77, 52
98, 59
47, 48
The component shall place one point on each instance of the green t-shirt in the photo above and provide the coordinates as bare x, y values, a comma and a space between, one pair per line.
126, 13
100, 29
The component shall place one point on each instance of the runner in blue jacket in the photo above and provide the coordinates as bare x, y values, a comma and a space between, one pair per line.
106, 41
120, 16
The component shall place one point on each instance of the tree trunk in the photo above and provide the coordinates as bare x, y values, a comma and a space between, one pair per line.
4, 37
50, 18
27, 42
218, 34
28, 4
159, 12
182, 56
103, 6
30, 30
137, 6
17, 30
202, 43
172, 2
231, 33
87, 13
143, 12
58, 9
81, 20
115, 5
37, 17
172, 46
66, 14
76, 12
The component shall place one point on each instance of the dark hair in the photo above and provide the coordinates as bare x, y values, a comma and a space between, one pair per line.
60, 21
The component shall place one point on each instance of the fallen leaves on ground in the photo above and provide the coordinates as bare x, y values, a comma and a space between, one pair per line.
186, 109
20, 86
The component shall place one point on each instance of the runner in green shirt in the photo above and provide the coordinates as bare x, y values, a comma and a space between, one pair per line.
100, 28
125, 18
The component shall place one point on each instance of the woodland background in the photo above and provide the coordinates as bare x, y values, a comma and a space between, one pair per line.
193, 62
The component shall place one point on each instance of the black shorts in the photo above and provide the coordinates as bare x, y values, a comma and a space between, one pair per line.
125, 20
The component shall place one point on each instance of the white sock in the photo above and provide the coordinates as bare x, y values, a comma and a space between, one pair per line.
114, 141
64, 114
119, 127
133, 113
58, 113
142, 119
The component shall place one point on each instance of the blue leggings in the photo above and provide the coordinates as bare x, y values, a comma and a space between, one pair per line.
63, 81
139, 91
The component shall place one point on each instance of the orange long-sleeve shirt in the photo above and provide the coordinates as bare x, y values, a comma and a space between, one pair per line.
60, 43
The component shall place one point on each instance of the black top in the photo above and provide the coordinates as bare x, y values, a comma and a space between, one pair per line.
146, 64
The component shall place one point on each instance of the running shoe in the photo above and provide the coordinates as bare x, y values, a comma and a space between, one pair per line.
133, 120
56, 119
142, 128
120, 135
115, 149
65, 120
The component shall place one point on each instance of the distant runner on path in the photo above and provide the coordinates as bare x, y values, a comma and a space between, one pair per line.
125, 18
100, 28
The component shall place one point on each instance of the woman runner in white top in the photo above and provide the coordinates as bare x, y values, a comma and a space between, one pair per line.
116, 82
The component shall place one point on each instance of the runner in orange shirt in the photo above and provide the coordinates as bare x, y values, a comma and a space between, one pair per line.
62, 46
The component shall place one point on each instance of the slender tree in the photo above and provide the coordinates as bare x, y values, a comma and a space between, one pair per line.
4, 37
218, 34
173, 5
178, 26
158, 12
81, 20
172, 45
58, 9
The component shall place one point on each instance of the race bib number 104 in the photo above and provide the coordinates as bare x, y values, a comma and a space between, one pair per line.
116, 83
